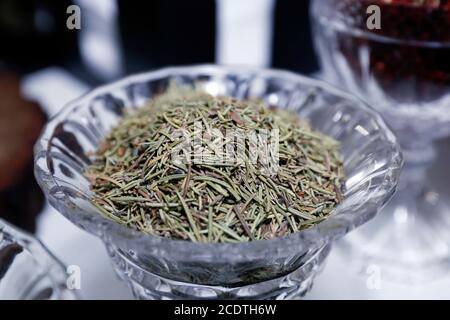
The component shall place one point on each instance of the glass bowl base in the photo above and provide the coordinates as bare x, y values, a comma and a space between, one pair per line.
146, 285
407, 243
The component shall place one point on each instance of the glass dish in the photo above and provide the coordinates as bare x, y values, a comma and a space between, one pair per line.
28, 271
159, 268
403, 71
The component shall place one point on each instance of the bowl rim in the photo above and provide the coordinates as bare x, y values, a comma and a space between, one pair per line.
125, 237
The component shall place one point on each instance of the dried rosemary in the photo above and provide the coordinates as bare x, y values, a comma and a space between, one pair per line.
191, 166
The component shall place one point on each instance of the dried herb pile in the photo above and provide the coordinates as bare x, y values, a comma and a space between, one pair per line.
136, 183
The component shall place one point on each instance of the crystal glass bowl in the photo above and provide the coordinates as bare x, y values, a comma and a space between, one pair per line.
162, 268
403, 71
28, 271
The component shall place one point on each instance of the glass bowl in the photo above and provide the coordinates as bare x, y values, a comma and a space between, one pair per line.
28, 271
162, 268
403, 71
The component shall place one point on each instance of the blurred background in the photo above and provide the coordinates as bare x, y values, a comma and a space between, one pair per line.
52, 52
46, 61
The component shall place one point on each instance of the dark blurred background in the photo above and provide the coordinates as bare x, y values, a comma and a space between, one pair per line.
146, 34
44, 64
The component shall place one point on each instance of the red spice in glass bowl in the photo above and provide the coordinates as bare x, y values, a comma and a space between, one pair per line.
416, 20
408, 58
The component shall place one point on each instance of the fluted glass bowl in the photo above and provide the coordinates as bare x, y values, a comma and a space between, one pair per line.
162, 268
28, 271
403, 70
